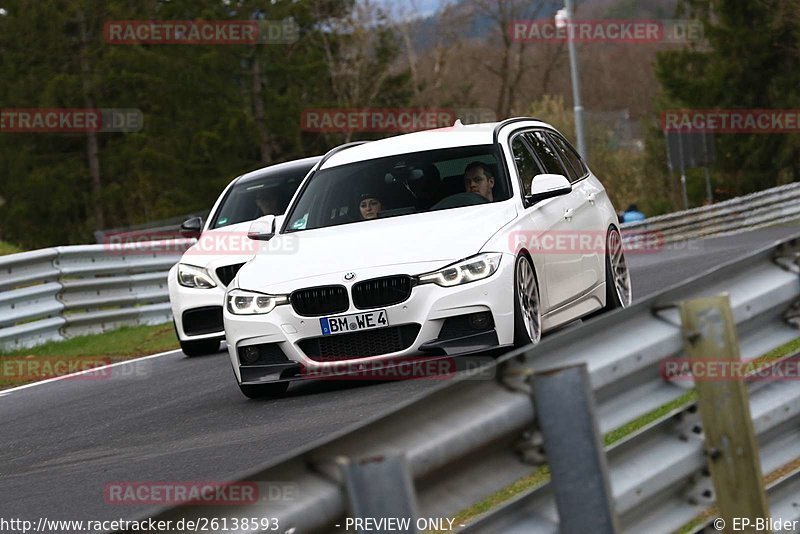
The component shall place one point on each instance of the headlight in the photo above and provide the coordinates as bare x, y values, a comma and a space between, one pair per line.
241, 302
191, 276
466, 271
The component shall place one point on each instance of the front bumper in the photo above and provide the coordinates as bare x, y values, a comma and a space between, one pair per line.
195, 311
435, 367
428, 307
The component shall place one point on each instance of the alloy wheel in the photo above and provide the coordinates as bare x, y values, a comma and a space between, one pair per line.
528, 297
619, 268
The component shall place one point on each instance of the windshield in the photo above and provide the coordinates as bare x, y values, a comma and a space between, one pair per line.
255, 197
400, 185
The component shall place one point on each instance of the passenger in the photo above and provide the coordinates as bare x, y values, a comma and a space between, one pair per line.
478, 179
370, 206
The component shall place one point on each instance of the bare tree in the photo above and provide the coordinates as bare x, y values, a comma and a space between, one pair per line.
409, 24
449, 30
551, 62
351, 46
513, 61
265, 140
404, 15
92, 145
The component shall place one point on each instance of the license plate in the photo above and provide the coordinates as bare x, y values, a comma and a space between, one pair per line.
353, 323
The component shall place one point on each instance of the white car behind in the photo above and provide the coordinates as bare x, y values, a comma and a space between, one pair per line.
198, 282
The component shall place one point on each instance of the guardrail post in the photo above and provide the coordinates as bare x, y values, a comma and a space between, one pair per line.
379, 487
565, 412
710, 334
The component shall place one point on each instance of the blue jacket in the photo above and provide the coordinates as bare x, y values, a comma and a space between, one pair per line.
633, 216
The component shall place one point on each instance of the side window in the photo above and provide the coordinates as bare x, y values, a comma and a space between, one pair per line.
527, 166
546, 153
569, 156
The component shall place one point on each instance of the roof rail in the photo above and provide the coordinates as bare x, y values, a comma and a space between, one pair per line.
339, 148
506, 122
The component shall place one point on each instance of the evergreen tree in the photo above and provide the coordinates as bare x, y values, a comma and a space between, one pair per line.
749, 59
211, 112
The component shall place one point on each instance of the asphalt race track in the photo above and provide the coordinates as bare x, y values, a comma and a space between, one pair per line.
171, 418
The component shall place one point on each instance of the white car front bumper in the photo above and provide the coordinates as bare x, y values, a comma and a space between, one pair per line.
201, 307
427, 308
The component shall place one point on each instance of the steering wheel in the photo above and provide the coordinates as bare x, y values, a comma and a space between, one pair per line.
458, 200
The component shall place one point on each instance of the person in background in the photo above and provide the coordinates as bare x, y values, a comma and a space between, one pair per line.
370, 206
632, 214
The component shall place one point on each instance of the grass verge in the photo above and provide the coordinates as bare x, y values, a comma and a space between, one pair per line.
112, 346
8, 248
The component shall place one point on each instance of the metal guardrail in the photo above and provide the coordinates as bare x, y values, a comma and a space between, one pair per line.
54, 293
472, 435
162, 228
765, 208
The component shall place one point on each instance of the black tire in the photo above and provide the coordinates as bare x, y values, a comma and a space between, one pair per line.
521, 336
201, 347
261, 391
612, 299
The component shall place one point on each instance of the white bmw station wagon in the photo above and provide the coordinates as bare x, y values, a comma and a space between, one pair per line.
431, 244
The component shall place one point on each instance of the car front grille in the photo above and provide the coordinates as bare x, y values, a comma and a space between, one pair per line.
205, 320
357, 345
381, 291
322, 300
227, 273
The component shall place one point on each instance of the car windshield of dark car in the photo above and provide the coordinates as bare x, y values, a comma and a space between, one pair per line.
252, 198
400, 185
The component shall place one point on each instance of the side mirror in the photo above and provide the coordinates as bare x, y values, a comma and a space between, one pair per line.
191, 227
262, 229
548, 186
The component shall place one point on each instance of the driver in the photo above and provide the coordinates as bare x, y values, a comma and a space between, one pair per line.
267, 202
370, 206
478, 179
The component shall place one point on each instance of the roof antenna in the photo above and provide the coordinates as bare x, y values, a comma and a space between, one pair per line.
457, 123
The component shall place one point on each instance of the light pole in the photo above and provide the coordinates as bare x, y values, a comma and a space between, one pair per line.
563, 17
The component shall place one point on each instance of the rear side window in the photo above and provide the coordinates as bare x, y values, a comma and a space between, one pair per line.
527, 166
546, 153
570, 157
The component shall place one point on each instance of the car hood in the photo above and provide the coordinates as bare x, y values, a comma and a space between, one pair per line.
221, 246
438, 237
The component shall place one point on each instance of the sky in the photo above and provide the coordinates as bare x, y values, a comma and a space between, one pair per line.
423, 7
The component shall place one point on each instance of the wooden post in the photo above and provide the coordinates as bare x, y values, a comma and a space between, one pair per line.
731, 448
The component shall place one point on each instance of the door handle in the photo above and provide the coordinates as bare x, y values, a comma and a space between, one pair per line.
568, 213
591, 197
